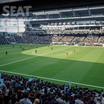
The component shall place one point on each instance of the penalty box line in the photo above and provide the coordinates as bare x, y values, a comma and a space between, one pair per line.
16, 61
52, 79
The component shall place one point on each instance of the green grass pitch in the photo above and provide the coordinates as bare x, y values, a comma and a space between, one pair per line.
76, 64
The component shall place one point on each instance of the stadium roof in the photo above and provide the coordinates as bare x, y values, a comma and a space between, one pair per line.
50, 4
8, 1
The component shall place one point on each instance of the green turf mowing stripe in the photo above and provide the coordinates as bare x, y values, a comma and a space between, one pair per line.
52, 79
84, 65
16, 61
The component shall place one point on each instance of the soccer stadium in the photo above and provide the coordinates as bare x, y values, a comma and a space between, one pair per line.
52, 54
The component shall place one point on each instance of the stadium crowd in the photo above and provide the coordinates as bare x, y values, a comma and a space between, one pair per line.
21, 90
82, 40
70, 39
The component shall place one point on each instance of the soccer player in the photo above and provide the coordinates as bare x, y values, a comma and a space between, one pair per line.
23, 49
6, 52
51, 48
67, 54
35, 51
13, 45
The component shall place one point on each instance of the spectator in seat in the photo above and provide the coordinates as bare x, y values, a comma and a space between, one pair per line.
25, 99
78, 100
36, 101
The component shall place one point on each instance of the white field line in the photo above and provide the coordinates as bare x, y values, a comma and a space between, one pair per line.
13, 62
52, 79
16, 61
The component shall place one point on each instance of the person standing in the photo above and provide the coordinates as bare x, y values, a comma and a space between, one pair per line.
35, 51
6, 52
